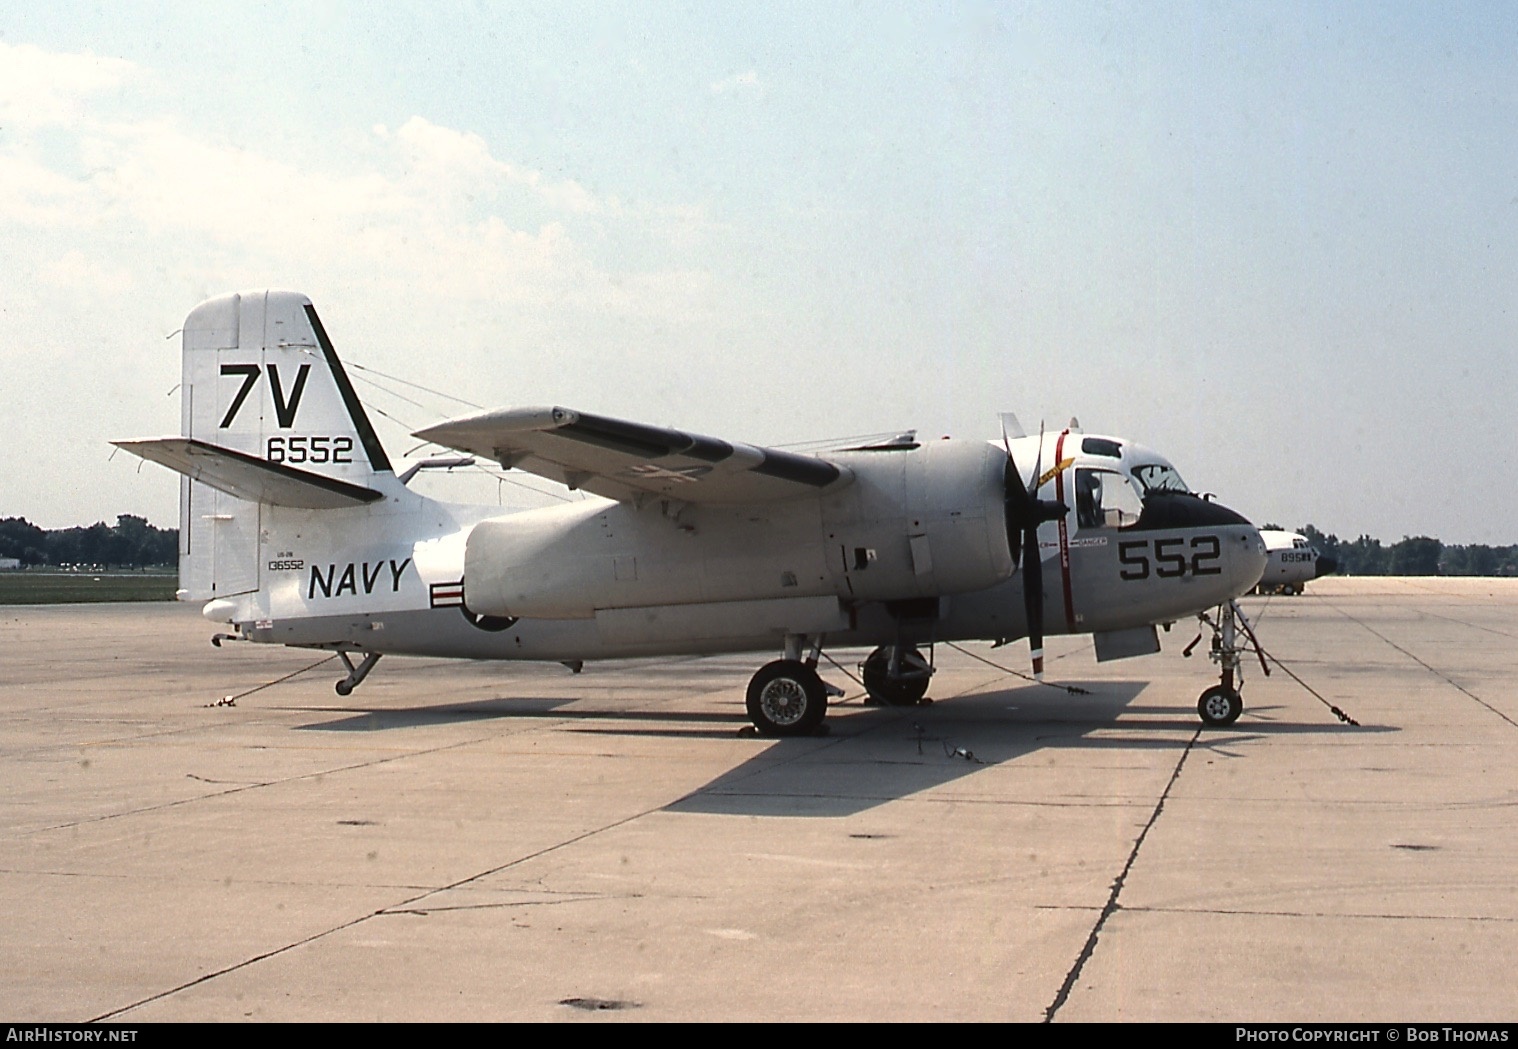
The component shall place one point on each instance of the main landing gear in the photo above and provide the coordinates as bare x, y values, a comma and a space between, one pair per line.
788, 697
896, 675
1222, 704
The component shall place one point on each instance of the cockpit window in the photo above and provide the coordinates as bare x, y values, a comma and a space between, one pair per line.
1159, 477
1105, 499
1101, 446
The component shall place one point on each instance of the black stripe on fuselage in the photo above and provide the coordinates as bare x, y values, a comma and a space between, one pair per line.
378, 460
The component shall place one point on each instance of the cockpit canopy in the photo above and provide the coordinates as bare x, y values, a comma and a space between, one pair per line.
1114, 480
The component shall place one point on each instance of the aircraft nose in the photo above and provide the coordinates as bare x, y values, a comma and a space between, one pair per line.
1326, 566
1251, 562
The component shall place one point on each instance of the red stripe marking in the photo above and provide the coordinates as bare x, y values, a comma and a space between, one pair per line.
1064, 537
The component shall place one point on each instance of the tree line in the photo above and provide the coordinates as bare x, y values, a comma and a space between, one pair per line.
1414, 555
130, 543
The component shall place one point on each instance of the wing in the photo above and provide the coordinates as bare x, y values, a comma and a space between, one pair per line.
630, 461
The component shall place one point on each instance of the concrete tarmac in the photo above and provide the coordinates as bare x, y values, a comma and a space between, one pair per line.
513, 842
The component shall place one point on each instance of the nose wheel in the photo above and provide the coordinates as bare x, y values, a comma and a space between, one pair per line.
1222, 704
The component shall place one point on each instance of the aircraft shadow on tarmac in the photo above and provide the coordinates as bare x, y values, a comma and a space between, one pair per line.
376, 719
870, 755
877, 755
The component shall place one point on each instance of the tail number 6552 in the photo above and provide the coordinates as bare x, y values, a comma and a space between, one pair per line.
310, 450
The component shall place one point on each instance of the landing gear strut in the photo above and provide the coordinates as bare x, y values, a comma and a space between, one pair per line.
787, 697
355, 673
896, 675
1222, 704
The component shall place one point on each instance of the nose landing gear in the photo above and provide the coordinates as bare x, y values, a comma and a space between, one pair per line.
1222, 704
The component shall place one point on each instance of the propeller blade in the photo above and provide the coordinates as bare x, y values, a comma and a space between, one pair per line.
1025, 512
1038, 459
1033, 600
1016, 504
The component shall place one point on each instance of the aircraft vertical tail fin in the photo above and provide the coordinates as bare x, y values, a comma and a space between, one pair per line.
261, 377
269, 418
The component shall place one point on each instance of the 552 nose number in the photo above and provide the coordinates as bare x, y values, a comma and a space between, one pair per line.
1167, 558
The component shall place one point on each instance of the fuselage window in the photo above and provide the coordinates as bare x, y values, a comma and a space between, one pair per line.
1101, 446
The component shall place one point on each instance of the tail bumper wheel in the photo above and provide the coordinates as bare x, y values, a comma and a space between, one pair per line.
787, 698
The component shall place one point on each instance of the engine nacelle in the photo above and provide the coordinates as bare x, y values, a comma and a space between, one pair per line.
914, 524
923, 523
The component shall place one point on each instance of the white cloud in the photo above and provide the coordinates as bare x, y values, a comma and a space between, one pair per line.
443, 158
745, 83
429, 207
39, 88
79, 272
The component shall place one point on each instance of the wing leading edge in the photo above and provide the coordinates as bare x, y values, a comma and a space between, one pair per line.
628, 461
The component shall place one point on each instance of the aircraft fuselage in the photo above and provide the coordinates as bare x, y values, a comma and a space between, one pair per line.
914, 551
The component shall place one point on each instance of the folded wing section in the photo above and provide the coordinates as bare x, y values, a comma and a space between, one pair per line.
631, 461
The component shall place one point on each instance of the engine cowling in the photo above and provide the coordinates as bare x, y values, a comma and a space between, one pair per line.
923, 523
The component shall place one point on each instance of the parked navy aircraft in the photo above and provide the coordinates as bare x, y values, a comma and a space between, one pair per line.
1291, 562
296, 530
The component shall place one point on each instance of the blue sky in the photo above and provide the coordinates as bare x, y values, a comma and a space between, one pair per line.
1276, 242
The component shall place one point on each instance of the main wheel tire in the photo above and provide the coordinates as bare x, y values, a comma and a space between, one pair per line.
897, 692
787, 698
1219, 706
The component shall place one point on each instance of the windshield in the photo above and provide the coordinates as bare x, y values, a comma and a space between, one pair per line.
1159, 477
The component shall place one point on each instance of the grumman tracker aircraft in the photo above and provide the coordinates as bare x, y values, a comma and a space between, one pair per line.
1291, 563
295, 529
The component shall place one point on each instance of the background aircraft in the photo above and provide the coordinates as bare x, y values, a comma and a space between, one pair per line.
296, 530
1291, 562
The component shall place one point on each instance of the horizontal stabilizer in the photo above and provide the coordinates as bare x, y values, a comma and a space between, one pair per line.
250, 478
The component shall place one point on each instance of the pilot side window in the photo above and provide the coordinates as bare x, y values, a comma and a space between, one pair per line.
1105, 499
